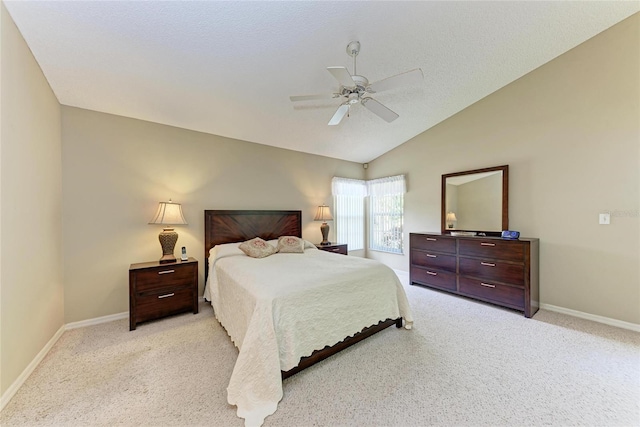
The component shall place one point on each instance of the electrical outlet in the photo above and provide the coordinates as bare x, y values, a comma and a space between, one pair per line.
605, 218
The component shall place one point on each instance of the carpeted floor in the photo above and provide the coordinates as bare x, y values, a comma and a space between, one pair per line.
464, 364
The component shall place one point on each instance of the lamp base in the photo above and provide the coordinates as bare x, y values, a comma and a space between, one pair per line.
166, 259
324, 229
168, 239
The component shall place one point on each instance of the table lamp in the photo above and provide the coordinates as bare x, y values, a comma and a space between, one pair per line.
169, 214
451, 218
324, 214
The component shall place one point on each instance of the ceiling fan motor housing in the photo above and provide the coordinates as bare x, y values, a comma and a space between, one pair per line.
361, 82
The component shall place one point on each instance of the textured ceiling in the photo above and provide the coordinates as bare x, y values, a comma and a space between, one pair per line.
228, 68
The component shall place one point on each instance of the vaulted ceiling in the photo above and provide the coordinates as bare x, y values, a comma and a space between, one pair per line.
228, 68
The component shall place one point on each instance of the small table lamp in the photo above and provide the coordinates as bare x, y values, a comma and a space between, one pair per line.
451, 218
324, 214
169, 214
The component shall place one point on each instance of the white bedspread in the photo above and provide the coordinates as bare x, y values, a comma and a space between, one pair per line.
283, 307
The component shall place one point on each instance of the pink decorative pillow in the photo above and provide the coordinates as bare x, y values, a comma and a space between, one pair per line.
290, 245
257, 248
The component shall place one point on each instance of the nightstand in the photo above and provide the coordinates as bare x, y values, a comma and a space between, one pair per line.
158, 290
336, 248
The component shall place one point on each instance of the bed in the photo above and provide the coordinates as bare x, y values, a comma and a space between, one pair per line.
288, 311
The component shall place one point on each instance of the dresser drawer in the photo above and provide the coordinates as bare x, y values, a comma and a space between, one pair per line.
438, 279
488, 248
493, 292
174, 275
151, 305
433, 243
434, 260
493, 270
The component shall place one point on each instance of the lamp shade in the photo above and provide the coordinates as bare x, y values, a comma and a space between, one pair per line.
169, 213
451, 216
323, 214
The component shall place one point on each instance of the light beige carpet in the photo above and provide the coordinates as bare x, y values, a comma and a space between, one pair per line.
465, 364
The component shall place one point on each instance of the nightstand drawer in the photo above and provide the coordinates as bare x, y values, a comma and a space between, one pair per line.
151, 305
173, 275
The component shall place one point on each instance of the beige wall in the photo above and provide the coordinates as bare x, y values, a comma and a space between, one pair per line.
30, 189
570, 133
116, 170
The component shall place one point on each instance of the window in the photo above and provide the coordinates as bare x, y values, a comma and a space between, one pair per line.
349, 221
386, 213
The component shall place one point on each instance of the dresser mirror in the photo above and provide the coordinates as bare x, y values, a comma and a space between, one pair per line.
476, 201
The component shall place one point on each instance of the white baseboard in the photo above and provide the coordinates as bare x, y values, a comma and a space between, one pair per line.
600, 319
97, 320
13, 388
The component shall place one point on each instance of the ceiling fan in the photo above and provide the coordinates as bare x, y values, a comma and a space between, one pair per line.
355, 89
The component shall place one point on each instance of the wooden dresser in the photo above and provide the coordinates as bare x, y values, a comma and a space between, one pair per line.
158, 290
499, 271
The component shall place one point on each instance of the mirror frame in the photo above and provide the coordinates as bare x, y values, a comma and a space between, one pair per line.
505, 199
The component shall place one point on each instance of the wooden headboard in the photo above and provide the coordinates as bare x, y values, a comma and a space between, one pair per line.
238, 226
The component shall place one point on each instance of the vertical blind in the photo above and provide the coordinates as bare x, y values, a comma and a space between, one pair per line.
386, 213
349, 220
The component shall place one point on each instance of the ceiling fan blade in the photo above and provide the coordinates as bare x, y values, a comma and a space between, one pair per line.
406, 78
379, 109
340, 113
312, 97
342, 75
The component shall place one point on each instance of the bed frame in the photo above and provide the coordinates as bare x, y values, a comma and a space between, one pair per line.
222, 226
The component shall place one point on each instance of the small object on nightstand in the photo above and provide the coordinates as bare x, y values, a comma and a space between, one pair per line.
336, 248
184, 256
161, 289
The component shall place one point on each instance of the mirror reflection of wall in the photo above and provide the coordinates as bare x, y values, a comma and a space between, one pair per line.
452, 205
476, 201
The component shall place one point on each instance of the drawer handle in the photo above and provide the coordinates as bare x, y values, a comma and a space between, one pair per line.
166, 272
487, 264
432, 239
487, 244
166, 296
431, 273
432, 256
487, 285
335, 250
